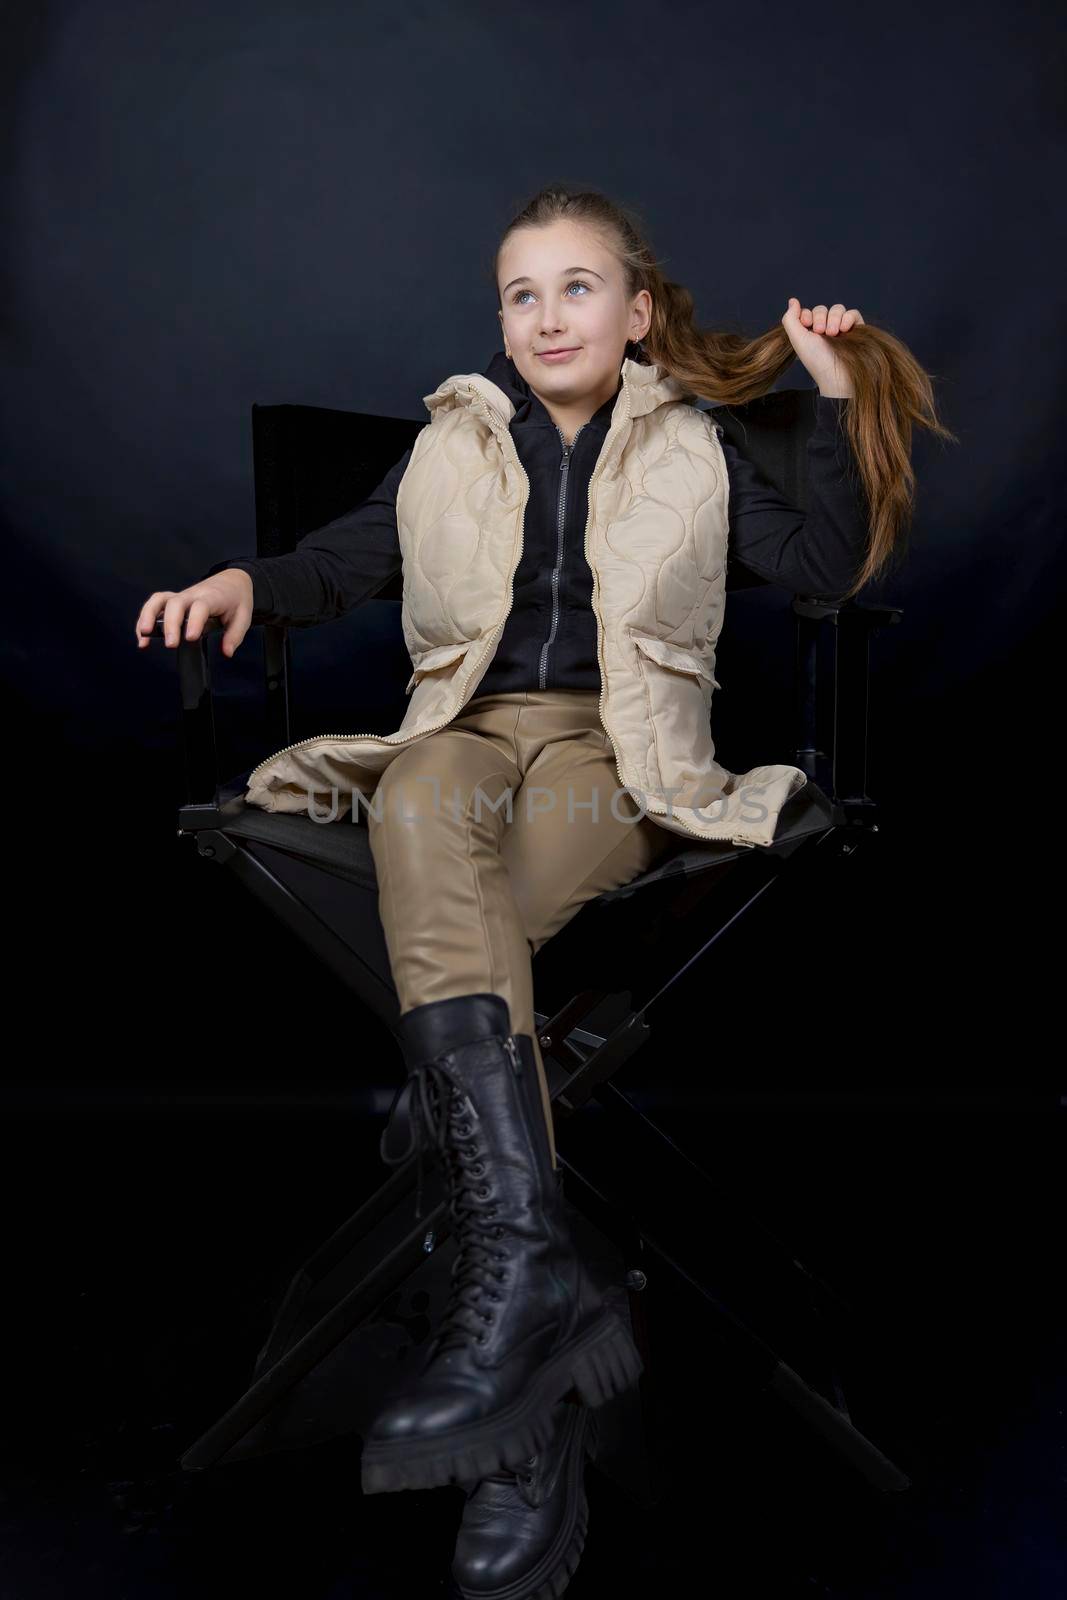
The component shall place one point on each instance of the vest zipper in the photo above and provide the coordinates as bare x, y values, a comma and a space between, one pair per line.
561, 512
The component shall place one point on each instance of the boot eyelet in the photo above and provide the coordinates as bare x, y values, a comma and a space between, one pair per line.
493, 1295
487, 1316
481, 1339
484, 1190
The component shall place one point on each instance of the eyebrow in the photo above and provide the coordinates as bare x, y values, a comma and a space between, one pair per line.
563, 274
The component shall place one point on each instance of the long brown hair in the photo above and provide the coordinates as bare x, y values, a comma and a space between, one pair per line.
890, 390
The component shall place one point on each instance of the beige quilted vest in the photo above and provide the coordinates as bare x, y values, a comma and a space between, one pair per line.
656, 541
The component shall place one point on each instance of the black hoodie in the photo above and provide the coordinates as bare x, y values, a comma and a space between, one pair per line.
550, 639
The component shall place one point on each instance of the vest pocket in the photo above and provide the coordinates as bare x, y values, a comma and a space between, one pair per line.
678, 688
442, 655
674, 657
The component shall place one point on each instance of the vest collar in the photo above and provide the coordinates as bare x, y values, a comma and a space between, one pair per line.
644, 387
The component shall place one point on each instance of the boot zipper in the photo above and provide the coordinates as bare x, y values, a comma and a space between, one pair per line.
510, 1047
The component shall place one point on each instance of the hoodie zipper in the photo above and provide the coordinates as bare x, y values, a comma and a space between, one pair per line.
561, 512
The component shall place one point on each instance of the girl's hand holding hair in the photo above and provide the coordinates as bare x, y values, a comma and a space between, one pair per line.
810, 333
226, 595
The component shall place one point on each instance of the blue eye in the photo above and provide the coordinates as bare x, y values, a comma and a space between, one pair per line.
574, 283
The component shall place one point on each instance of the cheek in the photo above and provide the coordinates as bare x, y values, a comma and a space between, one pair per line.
600, 320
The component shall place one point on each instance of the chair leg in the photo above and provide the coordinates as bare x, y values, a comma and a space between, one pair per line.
373, 1282
660, 1181
358, 1312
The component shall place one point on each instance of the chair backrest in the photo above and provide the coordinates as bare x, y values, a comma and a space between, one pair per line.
312, 463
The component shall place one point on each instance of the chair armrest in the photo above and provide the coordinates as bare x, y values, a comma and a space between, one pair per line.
205, 805
841, 771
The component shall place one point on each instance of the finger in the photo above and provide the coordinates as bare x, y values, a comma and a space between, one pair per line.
145, 625
818, 319
231, 639
833, 320
173, 612
146, 621
238, 627
199, 611
806, 317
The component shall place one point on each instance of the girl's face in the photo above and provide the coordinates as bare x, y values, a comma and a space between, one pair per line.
561, 289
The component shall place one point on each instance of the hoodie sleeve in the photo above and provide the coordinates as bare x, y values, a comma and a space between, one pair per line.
334, 568
817, 553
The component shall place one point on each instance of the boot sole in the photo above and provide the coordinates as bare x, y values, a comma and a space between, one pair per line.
600, 1364
557, 1567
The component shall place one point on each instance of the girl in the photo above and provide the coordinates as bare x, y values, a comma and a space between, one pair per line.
563, 524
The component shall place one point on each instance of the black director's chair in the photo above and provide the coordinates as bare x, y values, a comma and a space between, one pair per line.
359, 1309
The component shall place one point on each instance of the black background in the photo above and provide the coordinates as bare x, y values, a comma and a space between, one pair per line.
210, 206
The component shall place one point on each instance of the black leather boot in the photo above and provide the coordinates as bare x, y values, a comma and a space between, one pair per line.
523, 1529
524, 1321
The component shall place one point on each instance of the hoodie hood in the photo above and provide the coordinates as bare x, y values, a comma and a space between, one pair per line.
509, 380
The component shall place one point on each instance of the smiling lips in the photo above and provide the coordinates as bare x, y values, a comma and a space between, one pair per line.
557, 355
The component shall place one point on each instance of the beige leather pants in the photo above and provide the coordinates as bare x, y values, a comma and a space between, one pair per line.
490, 835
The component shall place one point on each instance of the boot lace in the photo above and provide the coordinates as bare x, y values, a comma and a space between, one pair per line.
521, 1476
443, 1119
